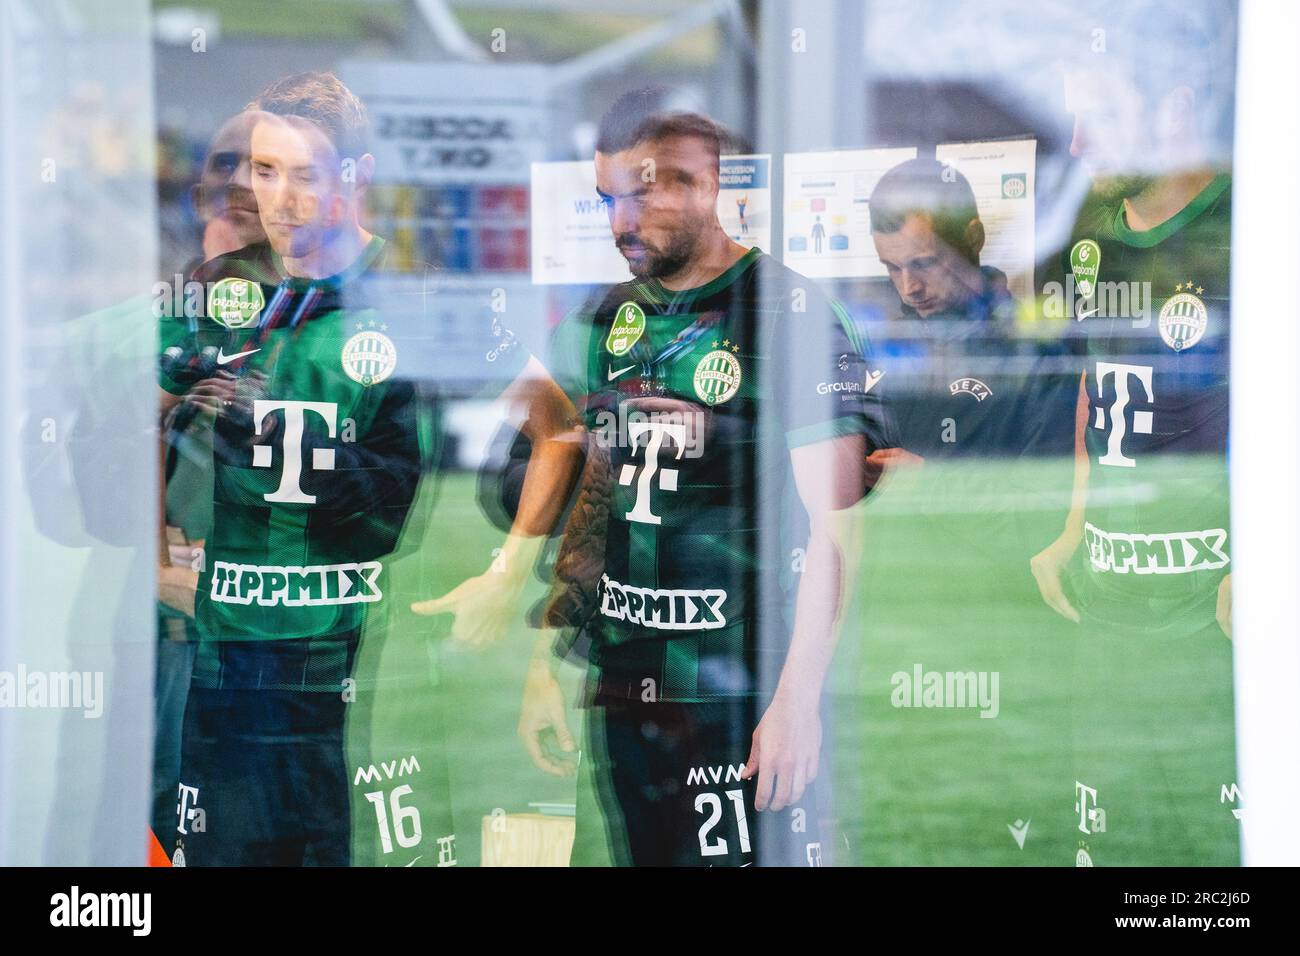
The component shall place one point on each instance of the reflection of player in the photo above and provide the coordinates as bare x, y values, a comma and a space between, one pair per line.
693, 350
968, 397
106, 346
306, 506
1150, 504
227, 210
741, 202
818, 233
958, 398
224, 195
928, 235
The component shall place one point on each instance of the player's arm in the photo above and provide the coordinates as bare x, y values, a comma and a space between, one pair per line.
485, 605
177, 578
1049, 563
542, 710
550, 424
785, 747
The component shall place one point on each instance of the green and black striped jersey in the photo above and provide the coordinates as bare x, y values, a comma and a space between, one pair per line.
317, 460
685, 388
1157, 334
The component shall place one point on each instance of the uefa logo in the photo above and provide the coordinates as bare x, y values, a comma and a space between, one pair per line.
369, 357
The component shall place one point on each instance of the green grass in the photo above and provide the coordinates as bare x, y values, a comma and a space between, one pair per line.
302, 20
1151, 723
477, 694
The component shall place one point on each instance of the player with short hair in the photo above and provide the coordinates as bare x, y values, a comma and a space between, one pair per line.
308, 372
301, 518
928, 234
705, 381
956, 313
227, 211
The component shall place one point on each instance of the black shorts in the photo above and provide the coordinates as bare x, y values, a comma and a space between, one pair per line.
263, 780
665, 777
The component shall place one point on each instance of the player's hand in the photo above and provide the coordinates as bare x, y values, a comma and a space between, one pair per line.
1223, 606
212, 396
484, 609
542, 712
232, 397
1047, 566
177, 587
177, 579
784, 751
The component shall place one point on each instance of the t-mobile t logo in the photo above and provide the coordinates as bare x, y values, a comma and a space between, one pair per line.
667, 476
1120, 374
188, 811
322, 459
1092, 818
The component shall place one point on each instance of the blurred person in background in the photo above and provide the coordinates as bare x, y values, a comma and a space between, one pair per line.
1143, 563
227, 212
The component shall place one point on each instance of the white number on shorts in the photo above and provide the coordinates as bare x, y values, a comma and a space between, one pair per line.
406, 820
712, 800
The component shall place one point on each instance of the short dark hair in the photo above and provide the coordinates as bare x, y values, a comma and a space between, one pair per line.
325, 101
925, 187
642, 116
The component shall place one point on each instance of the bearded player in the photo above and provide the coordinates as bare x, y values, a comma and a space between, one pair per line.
712, 381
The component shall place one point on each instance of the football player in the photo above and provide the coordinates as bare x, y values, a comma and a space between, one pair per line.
705, 382
307, 371
1147, 274
227, 210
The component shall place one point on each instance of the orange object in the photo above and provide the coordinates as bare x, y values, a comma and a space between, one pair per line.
157, 855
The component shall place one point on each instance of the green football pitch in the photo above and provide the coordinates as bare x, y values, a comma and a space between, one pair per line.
941, 584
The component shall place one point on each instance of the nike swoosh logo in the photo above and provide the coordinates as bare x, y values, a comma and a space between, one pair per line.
872, 379
416, 860
223, 358
1083, 315
613, 374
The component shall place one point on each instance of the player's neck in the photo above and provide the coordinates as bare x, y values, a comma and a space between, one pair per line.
331, 257
714, 256
1164, 198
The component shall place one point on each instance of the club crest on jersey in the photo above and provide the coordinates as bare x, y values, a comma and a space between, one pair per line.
369, 357
235, 303
970, 386
1183, 318
628, 327
717, 377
